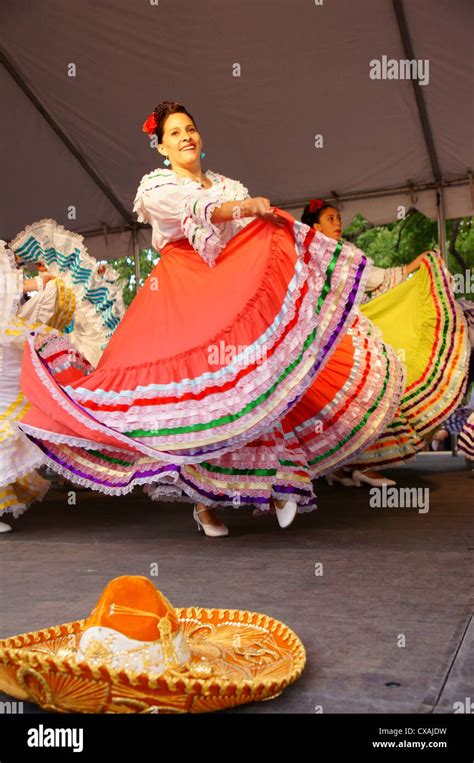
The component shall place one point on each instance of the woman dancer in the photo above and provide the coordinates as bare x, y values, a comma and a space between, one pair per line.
243, 308
421, 319
96, 287
20, 483
67, 298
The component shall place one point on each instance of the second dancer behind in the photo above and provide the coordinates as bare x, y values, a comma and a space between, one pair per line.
81, 299
420, 318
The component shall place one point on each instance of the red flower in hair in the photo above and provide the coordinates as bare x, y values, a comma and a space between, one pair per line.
150, 125
316, 204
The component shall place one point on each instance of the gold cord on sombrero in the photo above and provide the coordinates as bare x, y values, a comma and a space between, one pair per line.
123, 609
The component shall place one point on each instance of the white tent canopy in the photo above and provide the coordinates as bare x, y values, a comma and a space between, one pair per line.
72, 146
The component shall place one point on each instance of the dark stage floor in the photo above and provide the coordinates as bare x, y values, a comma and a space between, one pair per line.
386, 572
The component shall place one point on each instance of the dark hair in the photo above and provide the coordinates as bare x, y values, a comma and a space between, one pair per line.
310, 218
163, 111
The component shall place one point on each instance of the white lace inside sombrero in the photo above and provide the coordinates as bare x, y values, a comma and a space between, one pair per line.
105, 646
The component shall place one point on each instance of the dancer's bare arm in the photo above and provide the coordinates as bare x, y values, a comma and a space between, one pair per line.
30, 284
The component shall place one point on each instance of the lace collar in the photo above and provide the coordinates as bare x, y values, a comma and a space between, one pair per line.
210, 175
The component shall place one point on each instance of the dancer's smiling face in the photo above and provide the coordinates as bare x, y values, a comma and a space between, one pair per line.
181, 142
330, 223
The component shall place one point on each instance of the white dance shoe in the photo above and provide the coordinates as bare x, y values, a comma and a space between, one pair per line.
4, 528
374, 482
287, 513
212, 531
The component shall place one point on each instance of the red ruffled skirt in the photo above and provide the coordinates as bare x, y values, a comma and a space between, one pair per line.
190, 394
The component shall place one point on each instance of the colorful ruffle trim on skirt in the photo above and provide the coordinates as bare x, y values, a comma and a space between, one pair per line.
349, 402
204, 364
18, 455
423, 322
17, 496
252, 476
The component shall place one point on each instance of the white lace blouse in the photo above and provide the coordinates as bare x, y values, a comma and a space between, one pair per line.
179, 207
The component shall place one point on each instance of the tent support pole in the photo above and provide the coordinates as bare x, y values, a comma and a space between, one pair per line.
441, 223
375, 193
136, 257
417, 90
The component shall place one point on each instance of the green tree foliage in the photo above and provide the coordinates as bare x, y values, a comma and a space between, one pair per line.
125, 266
400, 242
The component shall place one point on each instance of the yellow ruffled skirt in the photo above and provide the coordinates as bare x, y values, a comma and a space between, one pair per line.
422, 321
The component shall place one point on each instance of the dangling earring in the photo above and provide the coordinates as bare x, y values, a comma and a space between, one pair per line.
202, 154
167, 162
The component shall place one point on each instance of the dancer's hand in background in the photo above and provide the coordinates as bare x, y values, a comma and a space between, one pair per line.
415, 264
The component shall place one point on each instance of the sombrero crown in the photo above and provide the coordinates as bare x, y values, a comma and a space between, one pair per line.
133, 625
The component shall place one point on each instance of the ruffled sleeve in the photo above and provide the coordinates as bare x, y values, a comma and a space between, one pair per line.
196, 223
176, 210
157, 198
381, 280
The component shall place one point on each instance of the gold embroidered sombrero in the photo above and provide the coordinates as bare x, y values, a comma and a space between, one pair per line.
138, 654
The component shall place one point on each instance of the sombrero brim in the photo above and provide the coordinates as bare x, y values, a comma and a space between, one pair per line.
237, 657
